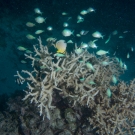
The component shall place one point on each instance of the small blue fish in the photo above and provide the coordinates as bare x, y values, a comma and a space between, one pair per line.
114, 80
108, 92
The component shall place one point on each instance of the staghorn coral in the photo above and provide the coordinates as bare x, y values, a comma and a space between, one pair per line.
82, 80
115, 115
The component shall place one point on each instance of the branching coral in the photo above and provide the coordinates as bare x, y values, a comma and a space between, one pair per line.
83, 80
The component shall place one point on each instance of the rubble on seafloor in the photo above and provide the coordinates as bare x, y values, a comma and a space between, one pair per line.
21, 118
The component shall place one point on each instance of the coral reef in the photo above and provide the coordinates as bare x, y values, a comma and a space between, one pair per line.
82, 82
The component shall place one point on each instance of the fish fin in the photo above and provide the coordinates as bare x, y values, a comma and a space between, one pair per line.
95, 40
61, 52
73, 33
64, 52
58, 51
103, 37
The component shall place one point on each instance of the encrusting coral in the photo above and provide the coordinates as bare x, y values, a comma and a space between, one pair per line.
83, 80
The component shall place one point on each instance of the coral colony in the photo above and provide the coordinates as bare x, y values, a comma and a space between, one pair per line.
83, 82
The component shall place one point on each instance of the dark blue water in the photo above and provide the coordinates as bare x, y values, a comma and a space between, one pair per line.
110, 15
